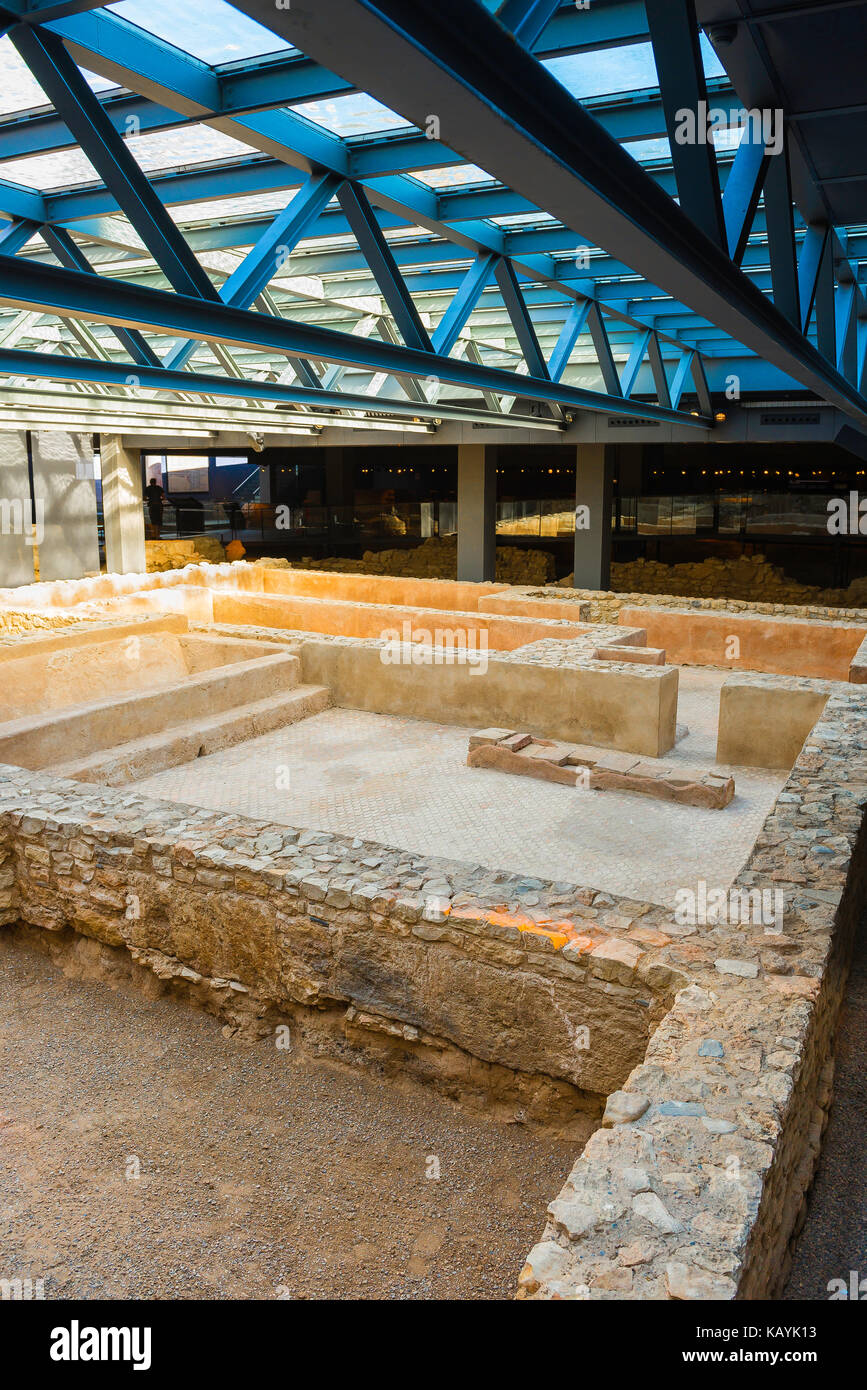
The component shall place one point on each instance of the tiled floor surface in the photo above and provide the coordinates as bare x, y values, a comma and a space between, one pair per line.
404, 782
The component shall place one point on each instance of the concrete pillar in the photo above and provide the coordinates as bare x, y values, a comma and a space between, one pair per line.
594, 475
477, 514
16, 528
122, 508
64, 485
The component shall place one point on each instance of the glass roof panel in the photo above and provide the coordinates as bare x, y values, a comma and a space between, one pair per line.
353, 114
219, 208
608, 71
154, 151
524, 219
453, 177
646, 151
19, 90
215, 33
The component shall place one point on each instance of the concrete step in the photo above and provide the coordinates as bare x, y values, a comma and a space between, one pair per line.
144, 757
78, 731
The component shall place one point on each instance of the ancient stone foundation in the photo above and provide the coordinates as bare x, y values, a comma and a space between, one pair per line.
702, 1039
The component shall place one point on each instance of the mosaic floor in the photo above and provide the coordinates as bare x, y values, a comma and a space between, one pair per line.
404, 782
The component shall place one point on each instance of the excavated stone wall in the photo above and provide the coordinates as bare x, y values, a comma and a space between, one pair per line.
605, 605
436, 956
694, 1187
16, 623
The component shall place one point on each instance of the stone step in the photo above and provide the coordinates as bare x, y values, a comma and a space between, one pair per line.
79, 730
144, 757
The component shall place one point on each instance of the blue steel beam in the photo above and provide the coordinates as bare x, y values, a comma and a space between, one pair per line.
507, 114
52, 367
527, 19
62, 81
23, 203
569, 335
184, 62
657, 366
845, 310
634, 363
293, 139
70, 254
466, 298
779, 215
602, 348
243, 287
825, 302
376, 251
742, 192
71, 208
520, 319
44, 132
17, 234
126, 51
812, 253
682, 374
68, 294
675, 36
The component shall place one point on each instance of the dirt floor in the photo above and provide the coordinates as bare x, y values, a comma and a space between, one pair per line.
143, 1155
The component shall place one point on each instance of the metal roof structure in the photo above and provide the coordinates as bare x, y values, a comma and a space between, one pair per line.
403, 212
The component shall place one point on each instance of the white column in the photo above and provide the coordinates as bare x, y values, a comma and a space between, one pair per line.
16, 529
64, 486
594, 476
122, 507
477, 511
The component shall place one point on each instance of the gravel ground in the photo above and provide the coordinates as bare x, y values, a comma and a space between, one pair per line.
260, 1174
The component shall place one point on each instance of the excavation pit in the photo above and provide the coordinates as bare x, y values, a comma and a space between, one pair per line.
309, 850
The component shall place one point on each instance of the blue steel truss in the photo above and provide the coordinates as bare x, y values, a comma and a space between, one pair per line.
488, 241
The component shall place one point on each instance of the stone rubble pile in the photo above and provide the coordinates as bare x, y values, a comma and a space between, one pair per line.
749, 578
166, 555
437, 558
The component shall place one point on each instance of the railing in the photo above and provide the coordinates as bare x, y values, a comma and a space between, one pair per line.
261, 521
727, 514
742, 515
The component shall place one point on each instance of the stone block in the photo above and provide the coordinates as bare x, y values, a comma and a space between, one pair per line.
485, 736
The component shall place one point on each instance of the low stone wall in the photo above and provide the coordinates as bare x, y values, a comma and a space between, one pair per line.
445, 958
611, 705
784, 645
49, 670
695, 1186
350, 618
765, 721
